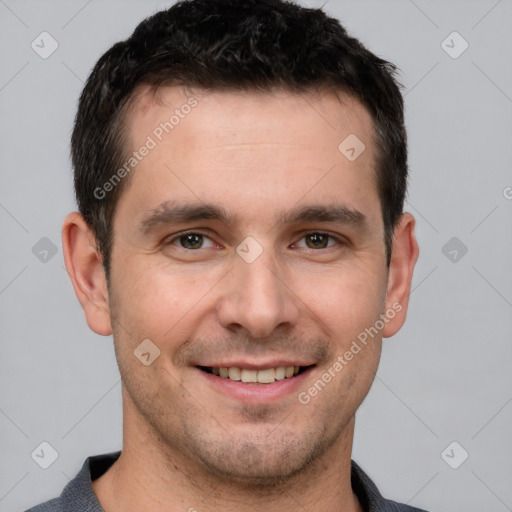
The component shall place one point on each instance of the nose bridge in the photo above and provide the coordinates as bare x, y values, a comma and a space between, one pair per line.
260, 283
256, 297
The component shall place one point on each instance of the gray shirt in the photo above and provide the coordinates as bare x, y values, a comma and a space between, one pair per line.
78, 495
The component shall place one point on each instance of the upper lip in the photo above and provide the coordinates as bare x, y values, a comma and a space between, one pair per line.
275, 363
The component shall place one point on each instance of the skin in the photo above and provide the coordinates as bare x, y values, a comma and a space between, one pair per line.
188, 444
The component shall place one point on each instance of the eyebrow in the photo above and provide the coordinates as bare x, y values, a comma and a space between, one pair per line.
336, 213
180, 213
169, 213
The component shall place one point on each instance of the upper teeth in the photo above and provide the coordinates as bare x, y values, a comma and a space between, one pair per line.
266, 376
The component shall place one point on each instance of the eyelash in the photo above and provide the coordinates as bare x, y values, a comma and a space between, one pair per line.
176, 238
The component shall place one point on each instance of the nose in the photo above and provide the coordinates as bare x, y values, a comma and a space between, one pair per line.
257, 298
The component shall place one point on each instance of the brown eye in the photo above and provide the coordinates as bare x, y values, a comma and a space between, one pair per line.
189, 245
191, 241
317, 240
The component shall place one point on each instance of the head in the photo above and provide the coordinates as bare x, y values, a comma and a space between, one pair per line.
243, 235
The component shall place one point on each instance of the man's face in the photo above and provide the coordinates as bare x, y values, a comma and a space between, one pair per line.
309, 279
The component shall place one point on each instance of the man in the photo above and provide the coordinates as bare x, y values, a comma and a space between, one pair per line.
240, 171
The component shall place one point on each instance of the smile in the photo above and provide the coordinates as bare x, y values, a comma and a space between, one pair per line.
251, 376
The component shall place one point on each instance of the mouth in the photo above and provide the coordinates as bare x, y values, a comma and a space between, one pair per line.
263, 376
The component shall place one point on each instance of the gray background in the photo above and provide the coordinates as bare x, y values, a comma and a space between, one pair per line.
445, 377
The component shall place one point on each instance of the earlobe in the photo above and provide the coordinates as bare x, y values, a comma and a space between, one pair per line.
84, 267
403, 259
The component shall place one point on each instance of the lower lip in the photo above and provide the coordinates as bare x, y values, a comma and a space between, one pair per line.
256, 393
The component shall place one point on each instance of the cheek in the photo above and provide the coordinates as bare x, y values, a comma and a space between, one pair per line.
159, 301
346, 299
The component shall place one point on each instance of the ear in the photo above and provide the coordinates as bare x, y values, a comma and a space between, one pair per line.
84, 267
403, 258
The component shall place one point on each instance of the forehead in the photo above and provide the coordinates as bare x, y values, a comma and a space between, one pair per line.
244, 148
226, 109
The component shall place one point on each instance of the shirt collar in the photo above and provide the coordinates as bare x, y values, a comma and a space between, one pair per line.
79, 494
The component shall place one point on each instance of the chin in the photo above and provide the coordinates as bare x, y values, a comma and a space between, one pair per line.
260, 461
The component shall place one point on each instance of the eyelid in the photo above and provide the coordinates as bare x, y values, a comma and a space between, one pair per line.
336, 237
171, 239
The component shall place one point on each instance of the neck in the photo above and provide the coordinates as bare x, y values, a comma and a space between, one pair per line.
153, 477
